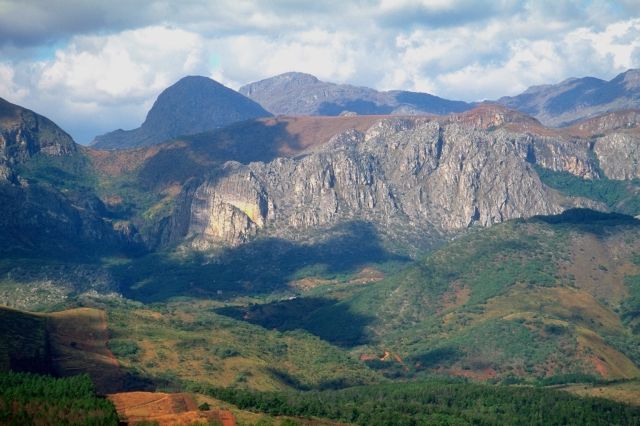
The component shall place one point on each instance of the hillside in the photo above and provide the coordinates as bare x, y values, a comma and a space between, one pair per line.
472, 309
192, 105
64, 343
577, 98
297, 93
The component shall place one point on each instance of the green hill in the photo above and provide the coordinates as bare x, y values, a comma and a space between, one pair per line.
524, 300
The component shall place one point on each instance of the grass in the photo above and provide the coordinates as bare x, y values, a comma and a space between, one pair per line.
495, 304
188, 341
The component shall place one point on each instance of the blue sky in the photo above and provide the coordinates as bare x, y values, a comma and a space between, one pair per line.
95, 66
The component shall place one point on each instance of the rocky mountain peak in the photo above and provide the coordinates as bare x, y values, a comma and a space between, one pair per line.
491, 115
192, 105
631, 79
23, 134
286, 81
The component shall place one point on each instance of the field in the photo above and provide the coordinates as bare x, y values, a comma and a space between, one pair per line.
627, 392
188, 341
166, 409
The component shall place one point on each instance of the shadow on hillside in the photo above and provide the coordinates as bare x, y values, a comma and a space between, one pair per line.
343, 327
258, 267
589, 220
204, 153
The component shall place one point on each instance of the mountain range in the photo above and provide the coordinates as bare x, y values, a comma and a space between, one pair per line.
197, 104
364, 237
577, 98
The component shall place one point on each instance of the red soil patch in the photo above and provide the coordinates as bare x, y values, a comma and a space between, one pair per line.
165, 409
600, 366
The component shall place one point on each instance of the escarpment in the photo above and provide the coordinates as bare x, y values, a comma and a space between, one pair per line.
424, 176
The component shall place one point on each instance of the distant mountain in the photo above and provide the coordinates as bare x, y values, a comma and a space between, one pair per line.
23, 133
577, 98
192, 105
296, 93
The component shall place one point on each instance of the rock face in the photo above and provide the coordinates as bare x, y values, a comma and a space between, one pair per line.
23, 134
303, 94
38, 214
578, 98
406, 176
192, 105
619, 155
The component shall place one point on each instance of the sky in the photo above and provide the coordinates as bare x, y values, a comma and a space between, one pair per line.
96, 66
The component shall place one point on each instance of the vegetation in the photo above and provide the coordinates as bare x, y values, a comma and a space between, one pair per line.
501, 304
436, 403
29, 399
23, 342
619, 195
187, 340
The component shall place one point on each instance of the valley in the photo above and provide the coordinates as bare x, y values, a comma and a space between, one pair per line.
474, 262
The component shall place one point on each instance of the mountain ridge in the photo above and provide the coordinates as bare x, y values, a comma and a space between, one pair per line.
574, 99
296, 93
191, 105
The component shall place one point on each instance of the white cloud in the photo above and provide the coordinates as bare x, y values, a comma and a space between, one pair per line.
106, 81
8, 86
106, 73
123, 67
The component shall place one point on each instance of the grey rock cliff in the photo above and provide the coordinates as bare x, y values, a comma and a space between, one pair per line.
410, 176
23, 134
619, 155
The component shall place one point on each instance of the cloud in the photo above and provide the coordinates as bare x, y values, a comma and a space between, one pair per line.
98, 82
94, 66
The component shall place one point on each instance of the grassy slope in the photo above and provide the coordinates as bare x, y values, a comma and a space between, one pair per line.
506, 302
188, 341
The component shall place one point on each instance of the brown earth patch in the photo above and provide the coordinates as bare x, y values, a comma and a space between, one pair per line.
599, 266
165, 409
457, 296
607, 361
628, 393
366, 276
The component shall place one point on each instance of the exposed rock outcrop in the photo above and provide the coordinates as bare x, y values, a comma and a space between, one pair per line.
619, 155
416, 175
23, 134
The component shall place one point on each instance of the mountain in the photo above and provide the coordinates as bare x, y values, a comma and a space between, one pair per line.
577, 98
297, 93
192, 105
51, 217
323, 252
23, 134
410, 178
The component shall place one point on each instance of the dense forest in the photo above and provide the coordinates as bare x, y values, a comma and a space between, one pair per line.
31, 399
436, 403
